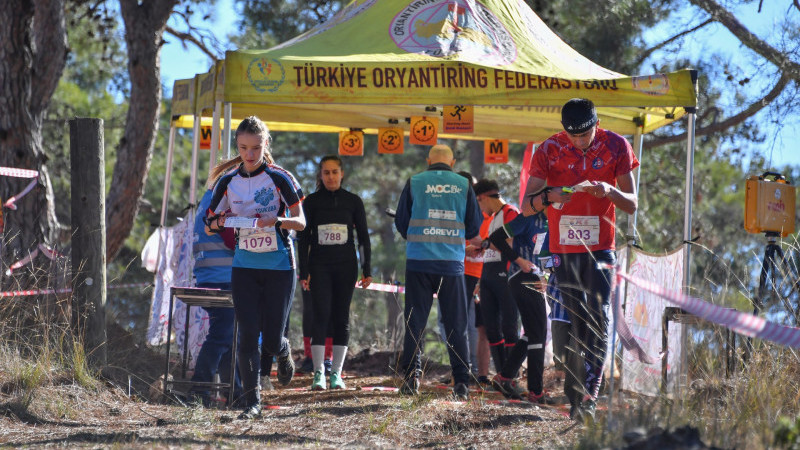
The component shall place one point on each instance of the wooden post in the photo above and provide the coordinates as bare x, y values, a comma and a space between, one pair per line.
88, 237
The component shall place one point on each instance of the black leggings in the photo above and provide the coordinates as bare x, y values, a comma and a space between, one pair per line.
332, 287
533, 311
500, 315
262, 299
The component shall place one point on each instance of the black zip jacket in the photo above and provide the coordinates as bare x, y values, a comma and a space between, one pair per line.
340, 207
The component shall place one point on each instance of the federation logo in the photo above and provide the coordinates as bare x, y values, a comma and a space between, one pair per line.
266, 75
263, 196
597, 163
777, 194
556, 261
460, 29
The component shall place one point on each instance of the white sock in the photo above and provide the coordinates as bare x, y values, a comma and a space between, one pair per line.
339, 352
318, 356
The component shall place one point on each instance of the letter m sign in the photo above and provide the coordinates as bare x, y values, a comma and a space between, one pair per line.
495, 151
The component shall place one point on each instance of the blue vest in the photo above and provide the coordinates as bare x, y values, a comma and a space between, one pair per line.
212, 259
436, 228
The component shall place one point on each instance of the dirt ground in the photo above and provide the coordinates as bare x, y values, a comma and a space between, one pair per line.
370, 413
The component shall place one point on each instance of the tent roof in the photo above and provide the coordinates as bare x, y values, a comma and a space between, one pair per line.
377, 63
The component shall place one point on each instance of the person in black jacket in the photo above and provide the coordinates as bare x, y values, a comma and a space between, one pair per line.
329, 266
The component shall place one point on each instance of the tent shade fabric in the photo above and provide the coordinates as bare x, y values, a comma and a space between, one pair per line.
183, 95
377, 63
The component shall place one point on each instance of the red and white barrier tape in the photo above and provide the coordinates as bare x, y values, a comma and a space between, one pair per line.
65, 290
742, 323
19, 173
11, 202
46, 251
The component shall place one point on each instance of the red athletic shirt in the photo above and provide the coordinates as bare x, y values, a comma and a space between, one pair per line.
587, 222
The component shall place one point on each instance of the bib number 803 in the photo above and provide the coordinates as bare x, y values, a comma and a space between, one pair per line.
579, 234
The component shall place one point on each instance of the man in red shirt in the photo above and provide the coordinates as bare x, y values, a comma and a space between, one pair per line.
597, 164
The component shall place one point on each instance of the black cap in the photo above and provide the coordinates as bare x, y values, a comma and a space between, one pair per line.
578, 115
483, 186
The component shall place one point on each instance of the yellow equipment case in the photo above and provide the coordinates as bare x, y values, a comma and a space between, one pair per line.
769, 205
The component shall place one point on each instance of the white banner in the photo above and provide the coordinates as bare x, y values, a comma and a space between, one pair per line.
643, 314
174, 269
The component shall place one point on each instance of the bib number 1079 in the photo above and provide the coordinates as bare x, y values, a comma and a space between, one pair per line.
258, 241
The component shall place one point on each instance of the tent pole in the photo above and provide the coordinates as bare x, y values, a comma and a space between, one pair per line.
226, 133
195, 147
165, 196
638, 140
168, 176
164, 207
193, 186
687, 236
214, 136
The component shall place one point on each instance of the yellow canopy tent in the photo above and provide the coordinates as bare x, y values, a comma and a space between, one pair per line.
376, 63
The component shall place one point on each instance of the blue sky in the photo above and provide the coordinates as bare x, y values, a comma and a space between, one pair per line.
781, 144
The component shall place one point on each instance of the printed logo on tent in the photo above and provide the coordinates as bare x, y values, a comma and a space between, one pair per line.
597, 163
266, 75
453, 29
651, 84
264, 196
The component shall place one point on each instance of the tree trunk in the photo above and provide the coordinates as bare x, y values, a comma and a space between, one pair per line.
32, 57
144, 29
394, 303
476, 160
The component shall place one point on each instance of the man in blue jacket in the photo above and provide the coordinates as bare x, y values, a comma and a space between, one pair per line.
436, 213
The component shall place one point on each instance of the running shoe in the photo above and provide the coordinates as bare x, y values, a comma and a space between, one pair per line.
319, 382
252, 412
541, 399
285, 367
460, 392
588, 407
508, 387
307, 366
410, 386
575, 412
336, 381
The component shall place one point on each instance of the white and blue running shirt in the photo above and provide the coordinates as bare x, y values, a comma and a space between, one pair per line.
269, 191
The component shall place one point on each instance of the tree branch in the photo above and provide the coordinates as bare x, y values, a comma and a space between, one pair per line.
50, 57
781, 60
645, 54
732, 121
191, 38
